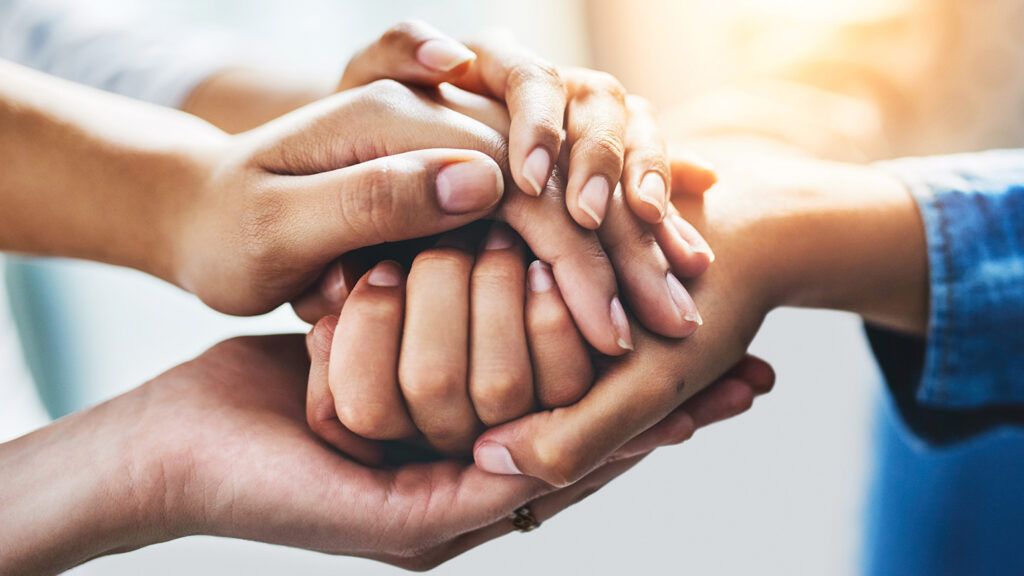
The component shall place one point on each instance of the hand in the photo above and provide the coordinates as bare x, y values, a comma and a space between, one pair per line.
463, 344
611, 136
239, 461
578, 257
827, 224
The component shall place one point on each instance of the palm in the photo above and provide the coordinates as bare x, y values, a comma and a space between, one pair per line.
256, 471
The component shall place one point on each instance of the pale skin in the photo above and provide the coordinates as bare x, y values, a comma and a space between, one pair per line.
788, 231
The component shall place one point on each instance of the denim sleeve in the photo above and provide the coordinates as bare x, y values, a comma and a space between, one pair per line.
967, 375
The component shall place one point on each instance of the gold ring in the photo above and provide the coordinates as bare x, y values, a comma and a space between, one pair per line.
523, 519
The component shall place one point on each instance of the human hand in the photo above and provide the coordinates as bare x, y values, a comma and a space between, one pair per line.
578, 257
240, 462
464, 344
610, 135
828, 224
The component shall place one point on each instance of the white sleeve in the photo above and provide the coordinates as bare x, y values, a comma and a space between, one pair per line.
125, 53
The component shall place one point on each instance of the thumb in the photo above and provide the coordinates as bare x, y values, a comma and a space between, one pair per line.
409, 52
393, 198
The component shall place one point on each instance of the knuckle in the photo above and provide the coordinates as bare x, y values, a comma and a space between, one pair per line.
502, 389
369, 207
262, 230
366, 420
558, 464
563, 393
401, 33
534, 71
551, 319
431, 380
604, 143
385, 94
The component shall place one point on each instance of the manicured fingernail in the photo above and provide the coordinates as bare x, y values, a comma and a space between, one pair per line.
443, 55
387, 274
684, 303
496, 459
500, 238
468, 186
537, 170
653, 191
692, 236
594, 198
539, 277
623, 337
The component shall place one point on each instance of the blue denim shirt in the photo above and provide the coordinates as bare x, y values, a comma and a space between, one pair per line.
968, 374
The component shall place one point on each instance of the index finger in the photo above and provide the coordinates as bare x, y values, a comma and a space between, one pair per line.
534, 93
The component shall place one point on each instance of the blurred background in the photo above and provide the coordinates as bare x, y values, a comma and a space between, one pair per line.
819, 478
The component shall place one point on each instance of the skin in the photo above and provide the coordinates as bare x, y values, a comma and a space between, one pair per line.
601, 134
157, 189
463, 343
243, 463
788, 231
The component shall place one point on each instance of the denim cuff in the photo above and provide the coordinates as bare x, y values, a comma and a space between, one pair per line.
972, 207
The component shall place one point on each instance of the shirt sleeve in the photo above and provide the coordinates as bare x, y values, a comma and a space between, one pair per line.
128, 52
967, 375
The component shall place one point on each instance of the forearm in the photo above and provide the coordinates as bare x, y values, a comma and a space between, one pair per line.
828, 235
92, 175
68, 493
239, 99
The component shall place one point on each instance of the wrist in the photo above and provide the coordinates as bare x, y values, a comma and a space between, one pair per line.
850, 238
74, 491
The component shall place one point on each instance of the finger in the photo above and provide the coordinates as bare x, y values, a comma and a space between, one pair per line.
364, 368
433, 364
562, 445
320, 410
578, 261
327, 295
562, 369
533, 91
729, 396
543, 509
394, 198
646, 176
655, 294
595, 130
691, 174
500, 378
411, 51
686, 250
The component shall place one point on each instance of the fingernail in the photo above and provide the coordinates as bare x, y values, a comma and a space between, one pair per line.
387, 274
500, 238
594, 198
537, 170
653, 191
539, 277
335, 289
468, 186
684, 303
623, 337
496, 459
443, 55
692, 236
